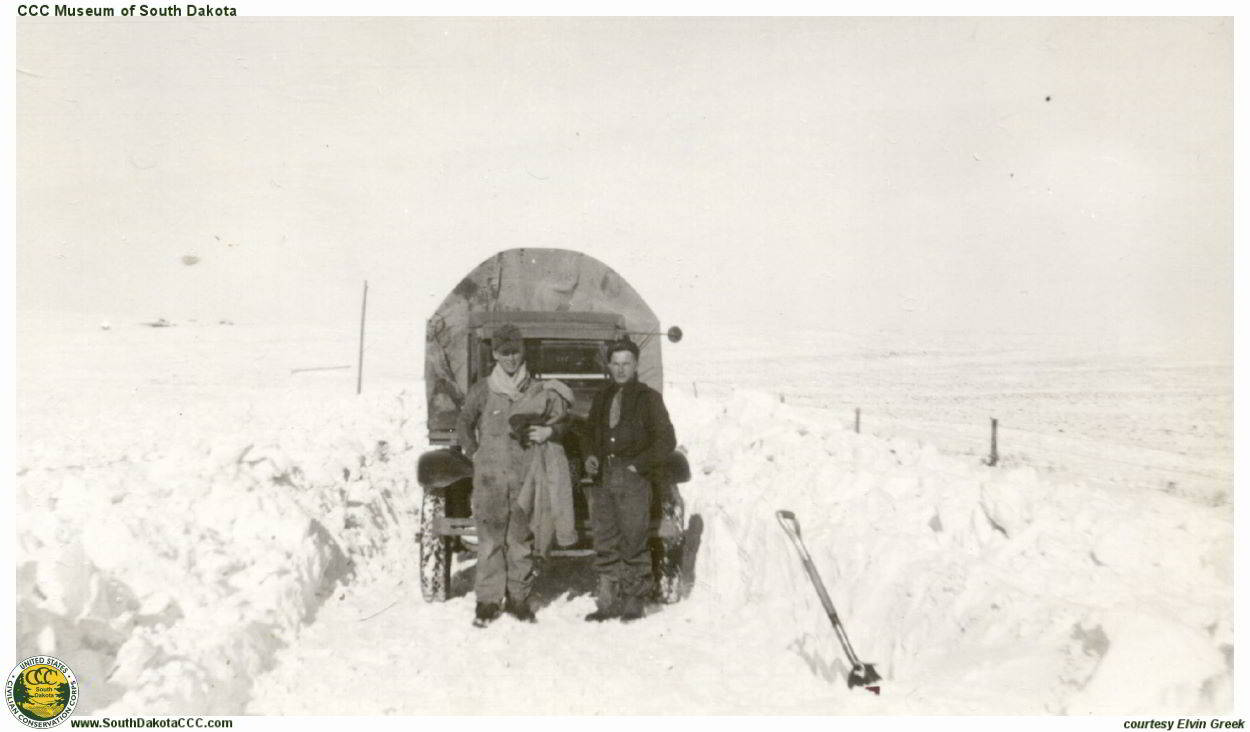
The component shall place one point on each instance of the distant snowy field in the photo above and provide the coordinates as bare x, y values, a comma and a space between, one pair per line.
201, 519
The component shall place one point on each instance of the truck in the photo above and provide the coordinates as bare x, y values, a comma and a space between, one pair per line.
569, 307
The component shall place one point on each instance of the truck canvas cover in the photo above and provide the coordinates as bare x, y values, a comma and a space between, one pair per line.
529, 282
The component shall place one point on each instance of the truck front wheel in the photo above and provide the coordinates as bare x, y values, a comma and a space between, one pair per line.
666, 548
435, 549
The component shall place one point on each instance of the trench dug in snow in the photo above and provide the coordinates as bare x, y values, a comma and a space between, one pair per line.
168, 565
206, 577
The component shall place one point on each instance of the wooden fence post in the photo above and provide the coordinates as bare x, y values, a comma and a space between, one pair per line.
993, 443
857, 420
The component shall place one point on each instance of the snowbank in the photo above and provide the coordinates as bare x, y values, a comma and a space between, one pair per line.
973, 589
168, 545
188, 504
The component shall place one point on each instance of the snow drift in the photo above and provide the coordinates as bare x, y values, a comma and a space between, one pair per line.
973, 589
187, 520
168, 572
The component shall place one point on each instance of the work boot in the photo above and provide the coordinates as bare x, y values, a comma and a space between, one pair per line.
631, 609
607, 602
485, 614
607, 612
609, 588
519, 609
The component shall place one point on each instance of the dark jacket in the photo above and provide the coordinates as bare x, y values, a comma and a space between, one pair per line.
643, 438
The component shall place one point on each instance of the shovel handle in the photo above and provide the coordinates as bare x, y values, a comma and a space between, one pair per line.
790, 523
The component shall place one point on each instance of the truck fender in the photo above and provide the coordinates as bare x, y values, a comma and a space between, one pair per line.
440, 468
676, 467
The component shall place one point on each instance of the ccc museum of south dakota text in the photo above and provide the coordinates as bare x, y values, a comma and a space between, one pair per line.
169, 11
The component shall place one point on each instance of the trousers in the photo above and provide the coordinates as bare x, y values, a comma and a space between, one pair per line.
620, 517
505, 541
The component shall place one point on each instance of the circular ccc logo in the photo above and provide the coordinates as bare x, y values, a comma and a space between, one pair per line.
41, 692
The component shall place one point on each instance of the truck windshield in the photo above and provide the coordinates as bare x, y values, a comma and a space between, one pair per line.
565, 359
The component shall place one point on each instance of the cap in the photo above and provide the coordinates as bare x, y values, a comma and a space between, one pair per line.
507, 339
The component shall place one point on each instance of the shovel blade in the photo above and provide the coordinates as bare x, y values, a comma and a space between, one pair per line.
866, 676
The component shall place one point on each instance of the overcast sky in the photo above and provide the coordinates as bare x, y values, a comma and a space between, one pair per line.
1014, 175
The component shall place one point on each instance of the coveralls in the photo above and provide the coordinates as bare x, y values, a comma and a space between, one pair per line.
505, 550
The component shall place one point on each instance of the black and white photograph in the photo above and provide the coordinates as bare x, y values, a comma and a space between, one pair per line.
391, 366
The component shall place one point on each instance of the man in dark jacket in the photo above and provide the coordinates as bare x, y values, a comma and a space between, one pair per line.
630, 436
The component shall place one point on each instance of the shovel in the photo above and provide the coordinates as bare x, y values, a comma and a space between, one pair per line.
862, 674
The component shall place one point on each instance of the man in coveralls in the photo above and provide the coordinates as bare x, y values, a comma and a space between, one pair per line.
630, 436
505, 542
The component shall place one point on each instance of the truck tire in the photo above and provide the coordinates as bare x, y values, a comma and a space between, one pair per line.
666, 549
435, 550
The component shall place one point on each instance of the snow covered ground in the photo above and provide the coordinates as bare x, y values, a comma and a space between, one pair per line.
202, 523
